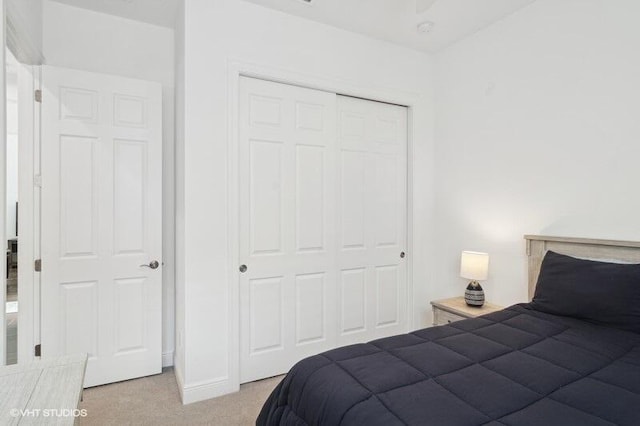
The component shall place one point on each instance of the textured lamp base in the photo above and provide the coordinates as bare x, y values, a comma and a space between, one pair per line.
474, 294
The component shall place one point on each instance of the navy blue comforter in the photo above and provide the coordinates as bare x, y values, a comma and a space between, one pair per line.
513, 367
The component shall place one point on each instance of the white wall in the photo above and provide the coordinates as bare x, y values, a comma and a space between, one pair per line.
12, 176
537, 132
217, 34
90, 41
12, 149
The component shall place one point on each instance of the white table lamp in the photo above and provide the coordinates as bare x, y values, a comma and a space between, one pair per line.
474, 266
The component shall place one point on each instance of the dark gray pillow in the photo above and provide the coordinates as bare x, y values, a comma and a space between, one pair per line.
601, 292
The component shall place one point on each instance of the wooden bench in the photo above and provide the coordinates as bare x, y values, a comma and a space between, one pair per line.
42, 392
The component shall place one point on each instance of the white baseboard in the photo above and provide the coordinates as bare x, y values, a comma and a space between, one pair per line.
167, 359
204, 390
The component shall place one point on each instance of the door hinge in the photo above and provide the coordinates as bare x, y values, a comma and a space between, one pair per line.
37, 266
37, 181
38, 96
38, 350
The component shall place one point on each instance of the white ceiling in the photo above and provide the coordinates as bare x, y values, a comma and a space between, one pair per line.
396, 20
157, 12
392, 20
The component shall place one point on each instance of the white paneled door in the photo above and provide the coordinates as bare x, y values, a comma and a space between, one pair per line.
371, 220
322, 223
101, 288
287, 204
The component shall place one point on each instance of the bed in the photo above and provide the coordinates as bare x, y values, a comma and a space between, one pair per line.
569, 357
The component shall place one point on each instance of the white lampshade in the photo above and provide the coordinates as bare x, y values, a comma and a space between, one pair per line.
474, 265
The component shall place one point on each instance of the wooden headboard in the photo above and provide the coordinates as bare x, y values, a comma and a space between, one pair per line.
606, 250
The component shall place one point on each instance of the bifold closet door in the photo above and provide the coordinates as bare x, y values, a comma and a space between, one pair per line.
371, 222
322, 223
287, 204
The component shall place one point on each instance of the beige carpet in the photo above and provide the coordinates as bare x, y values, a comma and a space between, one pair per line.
155, 400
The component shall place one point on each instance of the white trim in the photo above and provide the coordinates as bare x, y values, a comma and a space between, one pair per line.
28, 214
410, 217
203, 390
3, 188
237, 68
233, 225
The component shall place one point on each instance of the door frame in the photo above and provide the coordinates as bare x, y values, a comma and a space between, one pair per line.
3, 185
29, 55
237, 68
29, 78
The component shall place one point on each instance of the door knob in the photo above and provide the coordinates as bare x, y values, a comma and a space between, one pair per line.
243, 268
153, 265
402, 255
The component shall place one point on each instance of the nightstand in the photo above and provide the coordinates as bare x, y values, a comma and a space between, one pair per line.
455, 309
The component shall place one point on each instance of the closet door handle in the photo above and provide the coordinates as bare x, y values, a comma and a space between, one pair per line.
243, 268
